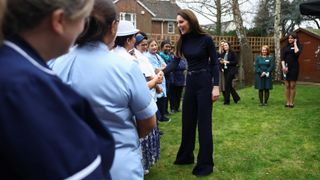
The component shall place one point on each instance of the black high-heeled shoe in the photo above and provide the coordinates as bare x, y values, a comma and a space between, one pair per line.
199, 170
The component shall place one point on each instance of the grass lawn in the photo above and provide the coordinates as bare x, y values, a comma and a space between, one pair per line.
254, 142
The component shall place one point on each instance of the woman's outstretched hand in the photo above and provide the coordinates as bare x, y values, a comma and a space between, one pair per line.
215, 93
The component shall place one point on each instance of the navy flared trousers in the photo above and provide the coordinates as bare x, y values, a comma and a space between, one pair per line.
197, 112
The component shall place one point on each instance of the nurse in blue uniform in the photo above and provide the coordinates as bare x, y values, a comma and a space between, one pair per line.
47, 130
159, 65
115, 87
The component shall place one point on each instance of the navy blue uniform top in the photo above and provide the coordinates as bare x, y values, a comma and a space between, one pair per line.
200, 52
47, 130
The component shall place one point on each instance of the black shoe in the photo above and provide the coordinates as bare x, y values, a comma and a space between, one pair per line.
236, 101
183, 162
291, 106
226, 103
286, 105
161, 133
199, 170
165, 119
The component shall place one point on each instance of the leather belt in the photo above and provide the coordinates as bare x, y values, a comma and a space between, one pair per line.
196, 71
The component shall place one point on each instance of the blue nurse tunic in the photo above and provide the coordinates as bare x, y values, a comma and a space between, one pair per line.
157, 62
117, 90
47, 130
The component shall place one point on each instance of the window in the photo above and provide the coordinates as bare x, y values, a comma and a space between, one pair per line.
129, 17
171, 27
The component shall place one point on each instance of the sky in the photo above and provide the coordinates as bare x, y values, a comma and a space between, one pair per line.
249, 5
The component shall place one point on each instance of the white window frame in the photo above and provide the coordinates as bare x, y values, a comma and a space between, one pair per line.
132, 18
173, 27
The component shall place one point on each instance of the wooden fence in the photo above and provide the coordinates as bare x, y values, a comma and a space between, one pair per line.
255, 42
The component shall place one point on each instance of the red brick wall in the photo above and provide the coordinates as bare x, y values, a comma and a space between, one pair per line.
144, 22
143, 17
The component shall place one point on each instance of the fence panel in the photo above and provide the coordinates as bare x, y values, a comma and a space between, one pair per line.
255, 42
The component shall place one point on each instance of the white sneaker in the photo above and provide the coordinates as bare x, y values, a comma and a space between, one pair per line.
146, 172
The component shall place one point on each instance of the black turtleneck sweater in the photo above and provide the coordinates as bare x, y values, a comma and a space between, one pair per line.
200, 52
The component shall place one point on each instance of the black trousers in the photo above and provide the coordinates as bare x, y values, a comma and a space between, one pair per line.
161, 103
229, 76
197, 111
175, 97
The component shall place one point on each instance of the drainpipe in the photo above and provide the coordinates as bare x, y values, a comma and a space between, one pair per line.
162, 29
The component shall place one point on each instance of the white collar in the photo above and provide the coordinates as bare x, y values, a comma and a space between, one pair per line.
29, 58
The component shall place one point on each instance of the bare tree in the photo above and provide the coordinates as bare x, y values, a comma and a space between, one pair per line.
263, 20
209, 9
277, 36
246, 56
219, 14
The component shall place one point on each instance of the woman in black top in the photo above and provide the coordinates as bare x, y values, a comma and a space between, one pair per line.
202, 89
290, 68
230, 69
221, 72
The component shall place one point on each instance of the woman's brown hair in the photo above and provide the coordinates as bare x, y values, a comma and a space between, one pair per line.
194, 25
100, 23
150, 41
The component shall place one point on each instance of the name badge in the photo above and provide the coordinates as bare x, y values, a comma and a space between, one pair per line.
267, 60
292, 47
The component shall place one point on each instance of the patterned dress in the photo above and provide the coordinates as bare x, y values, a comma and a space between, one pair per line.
150, 145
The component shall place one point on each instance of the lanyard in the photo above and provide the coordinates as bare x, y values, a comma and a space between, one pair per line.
158, 59
29, 58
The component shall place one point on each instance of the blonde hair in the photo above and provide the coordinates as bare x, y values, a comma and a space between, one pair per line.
2, 10
22, 15
267, 48
221, 48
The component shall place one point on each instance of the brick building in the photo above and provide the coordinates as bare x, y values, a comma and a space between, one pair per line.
150, 16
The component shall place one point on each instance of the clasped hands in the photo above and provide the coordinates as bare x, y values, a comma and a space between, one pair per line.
159, 76
223, 61
264, 74
285, 70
